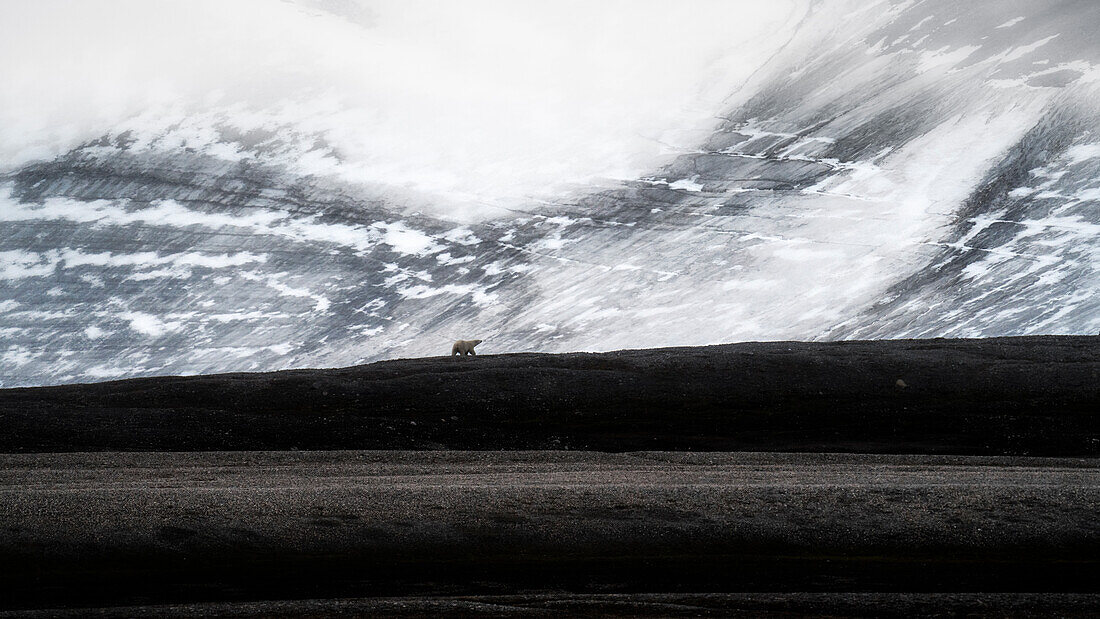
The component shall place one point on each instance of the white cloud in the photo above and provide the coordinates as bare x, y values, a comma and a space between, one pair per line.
475, 103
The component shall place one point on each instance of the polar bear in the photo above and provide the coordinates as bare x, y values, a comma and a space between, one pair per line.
464, 347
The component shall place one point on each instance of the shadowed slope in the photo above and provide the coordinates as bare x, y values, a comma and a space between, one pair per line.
1026, 396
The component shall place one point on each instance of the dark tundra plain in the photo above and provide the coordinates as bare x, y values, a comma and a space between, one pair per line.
899, 478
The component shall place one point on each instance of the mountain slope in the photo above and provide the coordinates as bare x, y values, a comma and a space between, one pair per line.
896, 169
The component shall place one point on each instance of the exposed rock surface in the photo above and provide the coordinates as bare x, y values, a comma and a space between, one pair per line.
112, 528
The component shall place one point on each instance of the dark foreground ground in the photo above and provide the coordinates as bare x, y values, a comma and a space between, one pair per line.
1025, 396
930, 478
773, 604
108, 529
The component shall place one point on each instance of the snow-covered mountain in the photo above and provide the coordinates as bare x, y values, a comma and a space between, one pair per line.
877, 170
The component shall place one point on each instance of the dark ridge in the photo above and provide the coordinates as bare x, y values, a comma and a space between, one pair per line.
903, 605
1012, 396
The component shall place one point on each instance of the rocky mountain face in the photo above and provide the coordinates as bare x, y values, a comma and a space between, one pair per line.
897, 169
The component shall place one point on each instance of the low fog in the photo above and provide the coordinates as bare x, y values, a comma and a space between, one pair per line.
473, 105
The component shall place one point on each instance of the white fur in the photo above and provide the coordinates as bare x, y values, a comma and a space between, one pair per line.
464, 347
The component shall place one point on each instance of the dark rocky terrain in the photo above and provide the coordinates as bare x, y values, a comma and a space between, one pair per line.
239, 526
1023, 396
777, 604
662, 484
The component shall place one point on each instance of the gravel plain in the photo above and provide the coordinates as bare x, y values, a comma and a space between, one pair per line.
99, 528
